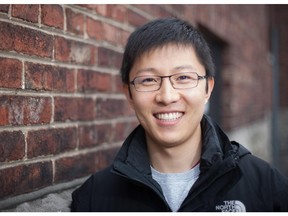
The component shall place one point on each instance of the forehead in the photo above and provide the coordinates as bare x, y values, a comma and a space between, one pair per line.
167, 57
166, 47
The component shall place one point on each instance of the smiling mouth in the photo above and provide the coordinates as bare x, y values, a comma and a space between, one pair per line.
169, 116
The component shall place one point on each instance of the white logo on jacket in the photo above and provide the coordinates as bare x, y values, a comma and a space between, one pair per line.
231, 206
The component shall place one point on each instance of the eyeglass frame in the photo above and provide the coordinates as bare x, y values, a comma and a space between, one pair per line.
162, 77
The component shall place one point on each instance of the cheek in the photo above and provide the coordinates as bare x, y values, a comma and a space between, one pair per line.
196, 101
141, 103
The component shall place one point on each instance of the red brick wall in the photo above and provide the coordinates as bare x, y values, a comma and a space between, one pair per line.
246, 71
279, 18
62, 113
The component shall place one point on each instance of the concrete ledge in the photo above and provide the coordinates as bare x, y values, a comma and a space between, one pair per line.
54, 202
52, 198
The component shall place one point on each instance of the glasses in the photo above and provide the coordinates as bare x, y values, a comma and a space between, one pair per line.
178, 81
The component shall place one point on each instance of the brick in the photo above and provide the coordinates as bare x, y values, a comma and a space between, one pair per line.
21, 110
49, 78
88, 6
25, 178
94, 135
4, 8
10, 73
111, 108
69, 168
123, 129
12, 146
124, 38
52, 15
104, 31
135, 19
26, 12
73, 109
117, 84
94, 29
117, 12
109, 58
4, 113
24, 40
112, 34
91, 81
101, 9
158, 10
75, 22
51, 141
74, 51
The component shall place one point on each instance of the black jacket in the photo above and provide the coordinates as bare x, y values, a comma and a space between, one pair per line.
231, 179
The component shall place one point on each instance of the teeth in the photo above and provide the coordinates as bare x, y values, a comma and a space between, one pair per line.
169, 116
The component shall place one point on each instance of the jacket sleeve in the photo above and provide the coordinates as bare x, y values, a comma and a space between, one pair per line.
81, 197
280, 191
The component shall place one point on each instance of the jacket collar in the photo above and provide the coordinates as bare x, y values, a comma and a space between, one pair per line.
216, 147
133, 153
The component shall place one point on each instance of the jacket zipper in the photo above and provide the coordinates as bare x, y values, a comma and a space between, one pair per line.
149, 186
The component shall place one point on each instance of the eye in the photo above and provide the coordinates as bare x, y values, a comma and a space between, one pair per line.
147, 80
184, 78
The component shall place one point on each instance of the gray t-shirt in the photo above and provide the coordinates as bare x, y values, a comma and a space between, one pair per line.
176, 186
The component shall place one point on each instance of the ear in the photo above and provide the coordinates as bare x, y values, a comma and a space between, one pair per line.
210, 88
128, 94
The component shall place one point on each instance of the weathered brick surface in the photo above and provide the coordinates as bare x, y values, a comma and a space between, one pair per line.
49, 78
75, 22
122, 130
93, 135
82, 165
135, 18
26, 12
23, 40
20, 110
111, 108
94, 29
25, 178
12, 146
10, 73
4, 8
109, 58
52, 15
74, 52
92, 81
51, 141
72, 109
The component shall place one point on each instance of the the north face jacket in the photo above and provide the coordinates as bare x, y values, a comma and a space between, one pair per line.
231, 179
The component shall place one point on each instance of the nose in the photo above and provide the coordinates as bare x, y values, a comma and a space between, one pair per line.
167, 94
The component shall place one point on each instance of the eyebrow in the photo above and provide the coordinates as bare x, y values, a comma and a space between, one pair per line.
190, 67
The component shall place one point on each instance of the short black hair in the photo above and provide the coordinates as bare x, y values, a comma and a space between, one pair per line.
159, 33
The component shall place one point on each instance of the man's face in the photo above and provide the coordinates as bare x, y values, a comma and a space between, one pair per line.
170, 117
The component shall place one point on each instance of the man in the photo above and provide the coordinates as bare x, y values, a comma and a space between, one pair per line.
177, 159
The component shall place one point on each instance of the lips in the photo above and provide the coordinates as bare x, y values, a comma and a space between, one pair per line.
172, 116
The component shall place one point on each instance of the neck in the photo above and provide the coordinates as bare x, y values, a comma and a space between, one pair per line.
175, 159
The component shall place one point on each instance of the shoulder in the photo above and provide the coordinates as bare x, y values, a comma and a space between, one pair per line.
251, 164
262, 176
256, 167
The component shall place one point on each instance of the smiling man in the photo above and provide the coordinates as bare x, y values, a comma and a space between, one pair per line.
177, 159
